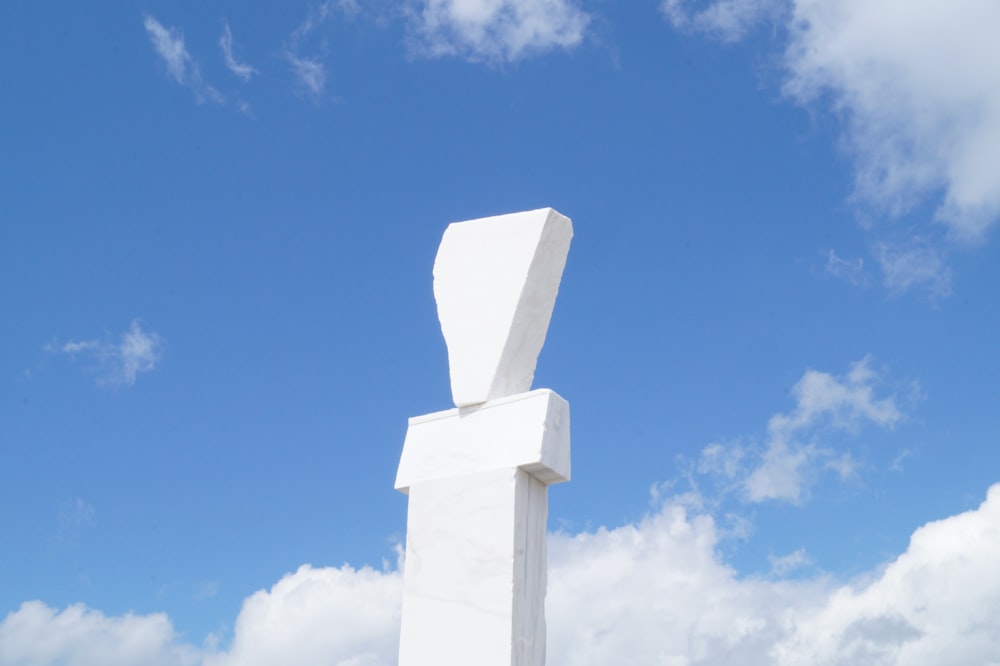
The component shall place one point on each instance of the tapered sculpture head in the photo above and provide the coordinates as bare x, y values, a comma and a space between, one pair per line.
495, 283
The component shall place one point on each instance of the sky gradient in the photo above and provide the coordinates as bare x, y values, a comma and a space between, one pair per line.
776, 327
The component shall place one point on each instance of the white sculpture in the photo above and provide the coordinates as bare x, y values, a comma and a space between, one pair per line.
477, 476
495, 283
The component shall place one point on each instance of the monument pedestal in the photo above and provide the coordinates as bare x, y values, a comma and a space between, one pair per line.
475, 568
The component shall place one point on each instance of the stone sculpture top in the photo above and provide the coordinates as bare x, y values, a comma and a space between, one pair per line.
495, 283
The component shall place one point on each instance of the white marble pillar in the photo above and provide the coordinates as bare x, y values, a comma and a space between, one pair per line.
477, 475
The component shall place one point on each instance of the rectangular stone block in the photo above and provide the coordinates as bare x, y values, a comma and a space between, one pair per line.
529, 430
475, 571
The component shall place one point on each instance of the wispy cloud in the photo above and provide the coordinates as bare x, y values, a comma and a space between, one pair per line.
182, 68
729, 20
75, 517
309, 70
118, 363
915, 264
794, 453
240, 69
207, 590
495, 30
169, 43
73, 348
783, 565
653, 592
849, 270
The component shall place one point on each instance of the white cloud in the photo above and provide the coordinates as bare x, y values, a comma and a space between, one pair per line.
793, 455
240, 69
207, 590
495, 30
169, 43
781, 566
849, 270
72, 348
182, 68
822, 401
646, 594
137, 352
658, 593
309, 71
76, 517
916, 87
118, 363
938, 603
349, 8
782, 473
917, 264
724, 460
36, 635
846, 402
76, 513
728, 20
317, 17
337, 616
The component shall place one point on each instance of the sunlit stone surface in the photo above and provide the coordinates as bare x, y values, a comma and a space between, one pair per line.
477, 476
495, 283
530, 430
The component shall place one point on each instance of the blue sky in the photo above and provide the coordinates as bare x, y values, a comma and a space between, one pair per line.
776, 328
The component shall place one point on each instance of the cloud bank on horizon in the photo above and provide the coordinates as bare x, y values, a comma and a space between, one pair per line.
653, 592
649, 593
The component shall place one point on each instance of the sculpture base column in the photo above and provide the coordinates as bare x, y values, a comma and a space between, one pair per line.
486, 607
474, 577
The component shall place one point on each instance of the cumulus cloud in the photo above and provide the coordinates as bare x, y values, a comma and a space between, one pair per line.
793, 454
118, 363
36, 635
182, 68
938, 603
645, 594
495, 30
657, 592
239, 69
822, 401
846, 402
915, 86
340, 616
